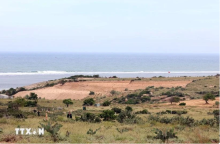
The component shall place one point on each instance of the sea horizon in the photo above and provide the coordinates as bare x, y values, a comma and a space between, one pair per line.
21, 69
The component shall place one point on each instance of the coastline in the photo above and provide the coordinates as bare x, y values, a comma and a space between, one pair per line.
13, 80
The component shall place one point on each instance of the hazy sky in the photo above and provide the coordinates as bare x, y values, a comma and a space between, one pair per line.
143, 26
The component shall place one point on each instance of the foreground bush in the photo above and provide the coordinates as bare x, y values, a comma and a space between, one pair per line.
165, 135
52, 129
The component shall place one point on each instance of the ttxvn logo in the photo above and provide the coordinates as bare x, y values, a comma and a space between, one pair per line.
29, 131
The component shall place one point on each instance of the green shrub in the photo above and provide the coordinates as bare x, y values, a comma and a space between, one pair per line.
20, 102
216, 112
168, 111
210, 122
10, 92
89, 102
182, 104
128, 118
116, 110
108, 115
106, 103
143, 112
165, 135
31, 104
128, 108
113, 92
132, 101
97, 120
91, 93
88, 117
144, 92
217, 103
92, 132
52, 129
32, 96
145, 98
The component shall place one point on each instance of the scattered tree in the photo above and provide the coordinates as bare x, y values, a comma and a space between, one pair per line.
108, 115
174, 99
89, 102
67, 102
208, 96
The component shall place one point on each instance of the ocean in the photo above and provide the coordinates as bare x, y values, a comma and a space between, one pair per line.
20, 69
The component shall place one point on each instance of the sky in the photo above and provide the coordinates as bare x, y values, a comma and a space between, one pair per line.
110, 26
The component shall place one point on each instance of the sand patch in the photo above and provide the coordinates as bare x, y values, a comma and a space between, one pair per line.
80, 90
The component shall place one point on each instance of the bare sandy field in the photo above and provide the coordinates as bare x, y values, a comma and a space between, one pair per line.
80, 90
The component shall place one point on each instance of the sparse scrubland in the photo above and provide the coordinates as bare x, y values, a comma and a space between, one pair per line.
154, 114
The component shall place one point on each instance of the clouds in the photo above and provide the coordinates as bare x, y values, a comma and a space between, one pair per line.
109, 26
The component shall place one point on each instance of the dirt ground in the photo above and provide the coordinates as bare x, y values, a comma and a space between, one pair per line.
80, 90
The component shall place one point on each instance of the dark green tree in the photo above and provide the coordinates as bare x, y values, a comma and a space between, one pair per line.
106, 103
108, 115
67, 102
208, 96
89, 102
33, 96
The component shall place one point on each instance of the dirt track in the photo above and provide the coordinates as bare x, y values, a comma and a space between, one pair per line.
80, 90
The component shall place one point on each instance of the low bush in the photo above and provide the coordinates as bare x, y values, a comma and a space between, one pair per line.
165, 135
182, 104
116, 110
108, 115
172, 112
145, 98
89, 102
143, 112
128, 108
113, 92
52, 129
92, 132
129, 118
88, 117
106, 103
216, 112
91, 93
